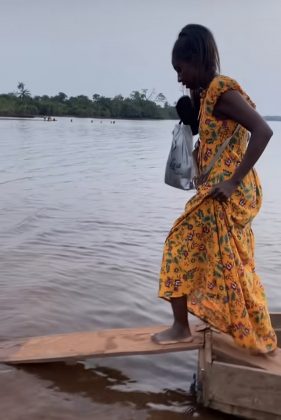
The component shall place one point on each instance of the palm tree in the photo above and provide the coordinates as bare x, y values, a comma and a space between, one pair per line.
22, 92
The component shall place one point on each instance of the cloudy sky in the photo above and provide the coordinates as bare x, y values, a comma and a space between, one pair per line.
112, 47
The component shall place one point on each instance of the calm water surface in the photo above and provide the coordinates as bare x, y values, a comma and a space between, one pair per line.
84, 214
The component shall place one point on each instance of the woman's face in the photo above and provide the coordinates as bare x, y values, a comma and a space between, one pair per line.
187, 73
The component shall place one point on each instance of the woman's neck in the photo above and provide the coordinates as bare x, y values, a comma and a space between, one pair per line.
205, 82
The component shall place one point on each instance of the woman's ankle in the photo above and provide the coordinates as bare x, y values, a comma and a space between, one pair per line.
181, 326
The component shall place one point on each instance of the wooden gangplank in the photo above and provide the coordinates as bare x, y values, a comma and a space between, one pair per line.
82, 345
126, 341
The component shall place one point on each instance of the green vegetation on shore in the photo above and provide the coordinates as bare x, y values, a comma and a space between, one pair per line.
139, 105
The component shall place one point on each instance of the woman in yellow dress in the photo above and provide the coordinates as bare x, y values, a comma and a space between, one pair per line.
208, 266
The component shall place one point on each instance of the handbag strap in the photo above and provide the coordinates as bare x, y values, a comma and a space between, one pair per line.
220, 151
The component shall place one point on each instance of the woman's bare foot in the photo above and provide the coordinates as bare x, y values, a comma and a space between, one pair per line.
178, 333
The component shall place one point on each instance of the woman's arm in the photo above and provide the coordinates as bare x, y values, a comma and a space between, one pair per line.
232, 105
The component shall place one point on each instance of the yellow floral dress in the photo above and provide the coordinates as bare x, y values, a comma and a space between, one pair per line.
209, 252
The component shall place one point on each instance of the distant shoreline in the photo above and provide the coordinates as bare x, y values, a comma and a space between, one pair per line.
41, 118
272, 118
138, 105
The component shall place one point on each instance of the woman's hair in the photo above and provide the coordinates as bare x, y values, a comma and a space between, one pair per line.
197, 45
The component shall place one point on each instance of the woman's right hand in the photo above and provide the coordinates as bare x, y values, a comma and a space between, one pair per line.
223, 190
199, 180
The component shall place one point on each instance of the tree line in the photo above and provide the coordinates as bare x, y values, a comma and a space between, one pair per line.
139, 105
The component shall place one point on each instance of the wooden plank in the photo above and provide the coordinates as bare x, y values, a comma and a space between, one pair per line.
200, 376
275, 319
278, 334
224, 349
81, 345
208, 348
243, 412
204, 365
245, 387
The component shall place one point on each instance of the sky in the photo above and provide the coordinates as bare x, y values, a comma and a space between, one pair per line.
113, 47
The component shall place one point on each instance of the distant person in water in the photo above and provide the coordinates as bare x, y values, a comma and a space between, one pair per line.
208, 266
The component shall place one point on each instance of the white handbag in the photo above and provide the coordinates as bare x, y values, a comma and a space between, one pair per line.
180, 169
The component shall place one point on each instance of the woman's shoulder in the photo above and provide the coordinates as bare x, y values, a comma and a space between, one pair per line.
221, 84
222, 78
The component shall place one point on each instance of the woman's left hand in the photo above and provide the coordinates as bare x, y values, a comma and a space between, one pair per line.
223, 190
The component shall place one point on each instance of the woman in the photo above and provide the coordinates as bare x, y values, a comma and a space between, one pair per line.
208, 266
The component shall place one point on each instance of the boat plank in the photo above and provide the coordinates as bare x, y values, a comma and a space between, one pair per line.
244, 413
82, 345
244, 388
225, 349
275, 319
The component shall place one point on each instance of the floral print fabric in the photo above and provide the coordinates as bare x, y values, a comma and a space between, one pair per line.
209, 252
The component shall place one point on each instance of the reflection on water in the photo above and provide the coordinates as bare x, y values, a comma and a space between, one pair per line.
103, 384
84, 213
71, 391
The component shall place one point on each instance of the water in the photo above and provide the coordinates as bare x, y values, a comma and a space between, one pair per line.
84, 214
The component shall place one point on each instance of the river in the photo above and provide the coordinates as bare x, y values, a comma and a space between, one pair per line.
84, 214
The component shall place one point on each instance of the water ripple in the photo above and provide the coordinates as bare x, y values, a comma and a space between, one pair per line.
84, 213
